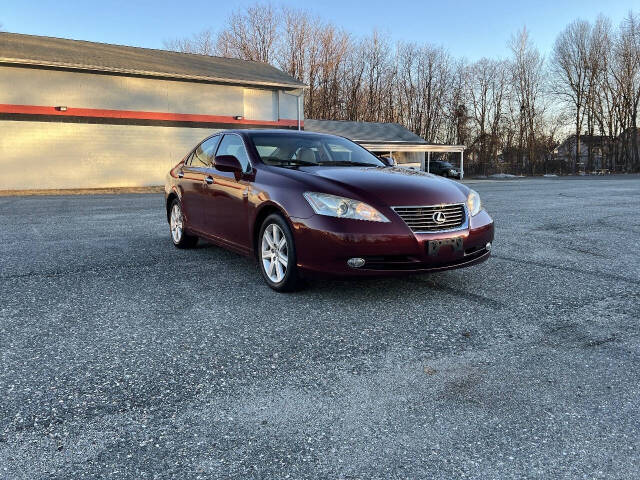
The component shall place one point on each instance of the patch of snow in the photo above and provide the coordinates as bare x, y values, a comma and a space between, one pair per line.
505, 175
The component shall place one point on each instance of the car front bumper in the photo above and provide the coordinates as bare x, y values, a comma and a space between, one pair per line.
324, 244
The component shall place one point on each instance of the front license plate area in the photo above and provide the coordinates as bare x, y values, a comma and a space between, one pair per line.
434, 246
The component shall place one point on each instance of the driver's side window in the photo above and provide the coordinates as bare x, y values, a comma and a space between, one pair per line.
233, 145
203, 154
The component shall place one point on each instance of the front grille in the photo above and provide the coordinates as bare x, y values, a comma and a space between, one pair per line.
421, 219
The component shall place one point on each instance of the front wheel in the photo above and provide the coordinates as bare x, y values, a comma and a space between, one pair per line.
277, 255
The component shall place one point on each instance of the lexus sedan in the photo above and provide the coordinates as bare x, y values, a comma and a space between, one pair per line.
306, 204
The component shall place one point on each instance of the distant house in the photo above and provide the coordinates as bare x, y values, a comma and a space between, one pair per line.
598, 145
387, 139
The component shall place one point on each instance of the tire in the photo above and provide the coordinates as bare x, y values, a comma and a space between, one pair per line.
179, 237
278, 261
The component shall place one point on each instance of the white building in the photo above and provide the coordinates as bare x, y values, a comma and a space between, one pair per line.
77, 114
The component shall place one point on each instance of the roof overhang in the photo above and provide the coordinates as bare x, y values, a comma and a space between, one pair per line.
145, 73
409, 147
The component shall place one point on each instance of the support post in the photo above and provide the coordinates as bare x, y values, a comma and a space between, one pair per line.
461, 164
428, 161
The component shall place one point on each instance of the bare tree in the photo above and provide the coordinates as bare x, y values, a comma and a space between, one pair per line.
353, 82
424, 78
457, 110
603, 95
597, 54
527, 79
626, 73
202, 43
376, 51
487, 90
499, 109
570, 67
251, 34
327, 63
292, 50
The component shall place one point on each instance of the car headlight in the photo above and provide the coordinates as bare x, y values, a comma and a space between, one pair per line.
341, 207
473, 203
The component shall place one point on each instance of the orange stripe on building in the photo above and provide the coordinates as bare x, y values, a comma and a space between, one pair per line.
139, 115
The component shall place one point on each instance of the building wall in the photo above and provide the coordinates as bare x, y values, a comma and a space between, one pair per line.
42, 152
28, 86
288, 105
42, 155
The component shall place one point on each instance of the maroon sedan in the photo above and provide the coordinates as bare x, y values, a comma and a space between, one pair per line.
305, 203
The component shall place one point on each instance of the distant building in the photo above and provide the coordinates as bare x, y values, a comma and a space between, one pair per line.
77, 114
597, 144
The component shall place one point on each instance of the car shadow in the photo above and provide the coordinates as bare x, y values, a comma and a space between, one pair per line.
437, 285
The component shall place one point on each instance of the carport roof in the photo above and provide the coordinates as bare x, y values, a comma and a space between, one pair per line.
80, 55
378, 136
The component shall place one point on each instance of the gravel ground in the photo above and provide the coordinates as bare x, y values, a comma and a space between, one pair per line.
123, 357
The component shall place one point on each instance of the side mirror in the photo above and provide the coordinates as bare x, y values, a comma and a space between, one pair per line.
388, 161
227, 163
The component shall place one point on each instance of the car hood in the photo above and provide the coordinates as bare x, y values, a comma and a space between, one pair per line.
394, 186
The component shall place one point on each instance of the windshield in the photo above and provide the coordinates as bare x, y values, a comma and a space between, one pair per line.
299, 149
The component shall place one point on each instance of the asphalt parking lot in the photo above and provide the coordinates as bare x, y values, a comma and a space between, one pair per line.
123, 357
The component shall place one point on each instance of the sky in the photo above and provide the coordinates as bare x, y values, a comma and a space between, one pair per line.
469, 29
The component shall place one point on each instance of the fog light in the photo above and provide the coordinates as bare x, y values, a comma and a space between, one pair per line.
488, 246
355, 262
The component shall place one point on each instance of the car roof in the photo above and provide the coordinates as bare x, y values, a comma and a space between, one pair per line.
277, 131
245, 132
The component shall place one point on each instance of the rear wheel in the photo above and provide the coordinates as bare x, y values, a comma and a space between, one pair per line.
277, 255
179, 237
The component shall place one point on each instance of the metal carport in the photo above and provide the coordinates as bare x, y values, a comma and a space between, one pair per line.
427, 148
385, 138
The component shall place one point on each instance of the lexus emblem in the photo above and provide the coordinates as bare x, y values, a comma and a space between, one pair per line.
439, 217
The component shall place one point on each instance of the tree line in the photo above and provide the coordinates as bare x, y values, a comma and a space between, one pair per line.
510, 113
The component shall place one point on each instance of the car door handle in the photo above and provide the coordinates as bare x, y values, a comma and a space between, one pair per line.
208, 179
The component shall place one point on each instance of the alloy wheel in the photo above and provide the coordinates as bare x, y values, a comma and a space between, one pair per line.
176, 223
274, 253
